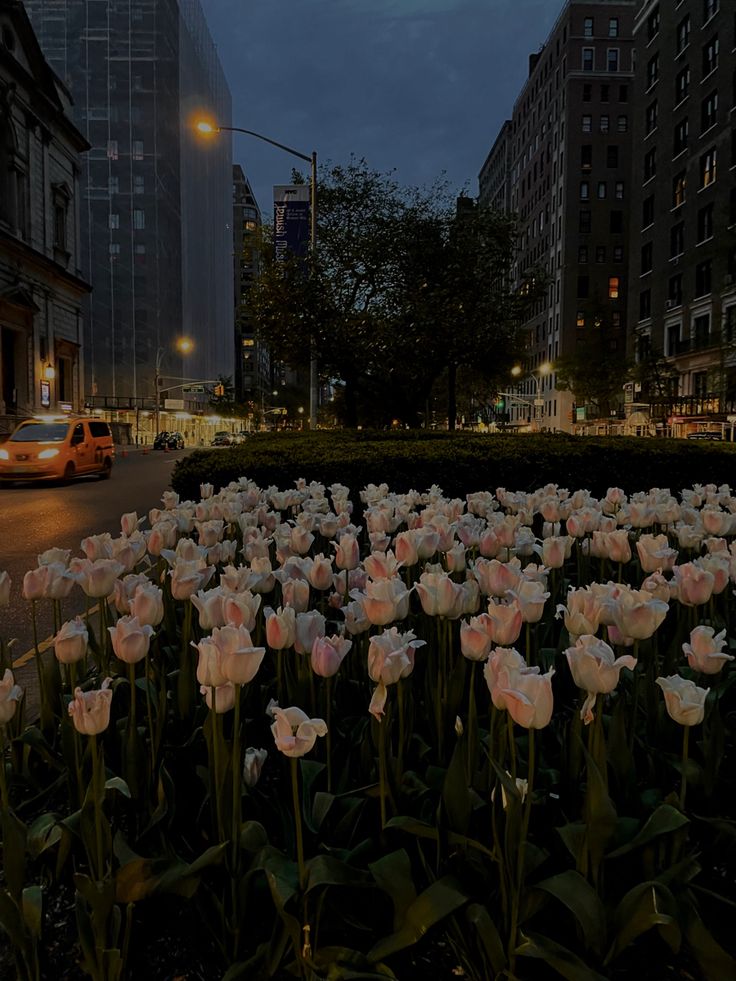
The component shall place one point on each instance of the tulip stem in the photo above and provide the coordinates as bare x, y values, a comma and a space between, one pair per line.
298, 822
512, 744
149, 714
237, 769
98, 789
685, 748
382, 770
39, 666
328, 738
132, 724
401, 696
520, 862
4, 798
472, 725
215, 779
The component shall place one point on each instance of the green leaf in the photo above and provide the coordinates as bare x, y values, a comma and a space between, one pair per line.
714, 961
117, 783
33, 909
488, 937
11, 920
322, 804
456, 797
575, 892
325, 870
436, 902
573, 837
310, 771
253, 837
600, 814
566, 963
664, 820
14, 852
647, 905
43, 833
393, 874
343, 964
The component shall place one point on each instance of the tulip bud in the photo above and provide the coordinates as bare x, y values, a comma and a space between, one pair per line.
70, 644
90, 710
10, 695
252, 765
130, 640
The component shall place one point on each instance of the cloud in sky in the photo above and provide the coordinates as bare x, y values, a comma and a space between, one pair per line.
419, 86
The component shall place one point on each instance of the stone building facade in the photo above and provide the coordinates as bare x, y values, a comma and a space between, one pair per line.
41, 287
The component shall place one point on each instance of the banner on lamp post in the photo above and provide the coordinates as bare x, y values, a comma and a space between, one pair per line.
291, 222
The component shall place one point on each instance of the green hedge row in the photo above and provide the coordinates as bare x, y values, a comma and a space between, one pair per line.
459, 462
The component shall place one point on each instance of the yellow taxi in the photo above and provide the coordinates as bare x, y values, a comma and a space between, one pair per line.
54, 448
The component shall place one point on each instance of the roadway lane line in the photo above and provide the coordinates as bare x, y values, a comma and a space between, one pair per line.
44, 645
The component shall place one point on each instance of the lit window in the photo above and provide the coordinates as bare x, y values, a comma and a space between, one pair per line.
708, 167
580, 320
613, 287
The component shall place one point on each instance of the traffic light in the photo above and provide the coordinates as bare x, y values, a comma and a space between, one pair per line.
500, 403
219, 390
572, 414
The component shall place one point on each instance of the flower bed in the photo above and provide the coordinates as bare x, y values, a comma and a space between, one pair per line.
504, 721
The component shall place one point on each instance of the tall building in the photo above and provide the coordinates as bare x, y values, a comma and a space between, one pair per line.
683, 258
570, 184
252, 361
42, 287
156, 206
494, 178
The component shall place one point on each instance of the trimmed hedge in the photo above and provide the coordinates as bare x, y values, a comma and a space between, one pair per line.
460, 462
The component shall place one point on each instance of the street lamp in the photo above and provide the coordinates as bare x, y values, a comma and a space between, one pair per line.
184, 345
538, 375
207, 128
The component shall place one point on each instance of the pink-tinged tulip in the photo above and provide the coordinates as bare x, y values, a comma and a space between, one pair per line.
147, 604
427, 541
206, 491
309, 627
505, 622
529, 699
209, 532
595, 668
617, 546
300, 540
209, 663
705, 651
356, 622
347, 552
328, 654
384, 601
186, 550
379, 541
59, 581
97, 546
240, 609
5, 584
378, 701
502, 664
129, 551
497, 578
405, 548
555, 549
655, 555
70, 644
685, 702
294, 732
261, 578
328, 525
488, 544
531, 597
613, 500
34, 583
280, 628
235, 580
455, 558
161, 536
717, 522
90, 710
637, 614
130, 640
252, 765
582, 522
295, 593
582, 612
469, 600
658, 587
10, 695
239, 659
97, 578
391, 655
129, 523
209, 606
224, 697
381, 565
475, 640
439, 595
169, 499
189, 577
53, 555
694, 585
125, 589
319, 572
718, 564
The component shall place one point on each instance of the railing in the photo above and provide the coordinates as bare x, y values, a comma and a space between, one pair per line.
120, 402
708, 404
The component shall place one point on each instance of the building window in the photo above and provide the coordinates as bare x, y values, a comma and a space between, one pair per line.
583, 254
682, 84
653, 24
672, 340
583, 286
708, 111
705, 223
683, 34
677, 239
647, 253
674, 290
710, 8
139, 184
623, 124
618, 253
650, 164
708, 168
137, 149
602, 190
587, 92
703, 278
586, 156
652, 71
681, 137
139, 219
604, 93
588, 27
114, 248
580, 319
114, 221
140, 248
588, 59
647, 212
679, 187
113, 185
612, 156
645, 304
60, 210
701, 331
710, 56
651, 118
584, 190
616, 223
612, 60
619, 190
605, 121
623, 93
587, 124
584, 222
616, 319
614, 284
700, 384
600, 253
613, 26
112, 149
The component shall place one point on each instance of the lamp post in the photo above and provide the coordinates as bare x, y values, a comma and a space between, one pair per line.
537, 375
184, 345
208, 129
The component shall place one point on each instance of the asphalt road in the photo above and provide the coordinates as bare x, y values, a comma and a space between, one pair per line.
34, 517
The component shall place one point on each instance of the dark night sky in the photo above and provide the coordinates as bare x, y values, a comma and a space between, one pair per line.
419, 86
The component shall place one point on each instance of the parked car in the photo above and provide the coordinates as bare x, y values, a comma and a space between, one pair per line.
48, 449
170, 441
222, 438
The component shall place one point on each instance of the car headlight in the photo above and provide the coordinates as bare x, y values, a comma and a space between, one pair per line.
47, 454
4, 455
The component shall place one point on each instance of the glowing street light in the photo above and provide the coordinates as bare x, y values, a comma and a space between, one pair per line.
538, 374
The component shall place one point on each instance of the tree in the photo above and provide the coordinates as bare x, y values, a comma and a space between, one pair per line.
222, 398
